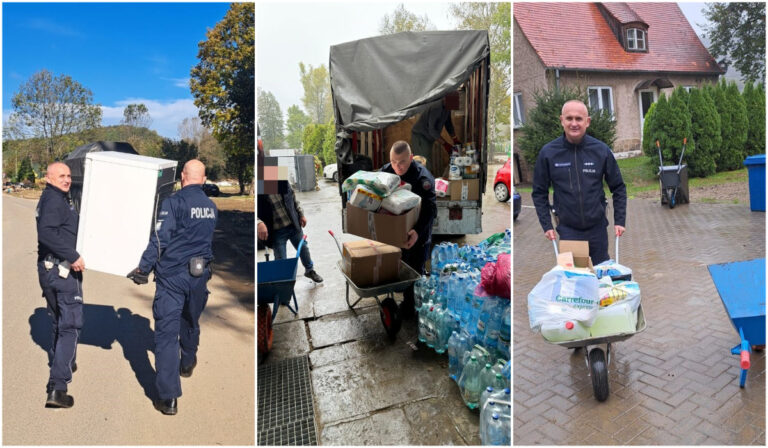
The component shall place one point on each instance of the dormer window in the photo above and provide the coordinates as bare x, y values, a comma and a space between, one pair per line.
635, 39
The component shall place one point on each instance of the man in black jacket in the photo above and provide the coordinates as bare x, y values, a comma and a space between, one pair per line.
59, 269
420, 237
575, 165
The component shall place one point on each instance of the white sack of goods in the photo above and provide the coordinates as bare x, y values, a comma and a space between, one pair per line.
563, 295
400, 201
381, 183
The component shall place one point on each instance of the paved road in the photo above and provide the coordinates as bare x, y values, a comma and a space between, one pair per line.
115, 360
368, 391
674, 384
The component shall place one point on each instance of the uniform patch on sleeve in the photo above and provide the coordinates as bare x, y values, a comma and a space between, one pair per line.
427, 185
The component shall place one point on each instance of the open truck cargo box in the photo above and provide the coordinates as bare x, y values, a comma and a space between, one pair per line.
121, 196
380, 84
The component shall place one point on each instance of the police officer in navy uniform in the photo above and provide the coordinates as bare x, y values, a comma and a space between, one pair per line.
59, 269
180, 252
420, 237
575, 165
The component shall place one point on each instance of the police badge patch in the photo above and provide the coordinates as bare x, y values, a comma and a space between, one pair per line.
427, 185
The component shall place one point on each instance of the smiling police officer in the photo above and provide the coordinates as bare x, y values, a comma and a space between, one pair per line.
575, 165
180, 253
59, 270
420, 237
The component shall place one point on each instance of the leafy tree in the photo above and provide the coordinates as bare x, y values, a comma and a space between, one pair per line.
209, 150
737, 34
136, 115
51, 107
270, 121
544, 125
223, 86
705, 128
329, 143
754, 97
313, 139
496, 19
179, 150
297, 121
317, 93
25, 172
404, 20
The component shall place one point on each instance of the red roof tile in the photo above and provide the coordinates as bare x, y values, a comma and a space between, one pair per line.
576, 36
622, 12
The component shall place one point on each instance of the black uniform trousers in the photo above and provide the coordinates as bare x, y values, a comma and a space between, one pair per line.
596, 235
179, 301
64, 297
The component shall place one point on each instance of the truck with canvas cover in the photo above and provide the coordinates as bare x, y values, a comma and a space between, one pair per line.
381, 86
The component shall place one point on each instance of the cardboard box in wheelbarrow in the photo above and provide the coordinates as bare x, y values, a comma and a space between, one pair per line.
388, 229
371, 263
575, 254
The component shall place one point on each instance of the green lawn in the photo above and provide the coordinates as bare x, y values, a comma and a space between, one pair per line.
640, 176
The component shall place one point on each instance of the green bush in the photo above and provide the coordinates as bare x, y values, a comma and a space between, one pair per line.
733, 119
543, 123
754, 97
705, 127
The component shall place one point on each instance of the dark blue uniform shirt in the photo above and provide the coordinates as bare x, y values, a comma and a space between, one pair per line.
184, 229
576, 174
423, 184
57, 222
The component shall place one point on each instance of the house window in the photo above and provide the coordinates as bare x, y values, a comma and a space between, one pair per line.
518, 111
688, 88
635, 39
601, 98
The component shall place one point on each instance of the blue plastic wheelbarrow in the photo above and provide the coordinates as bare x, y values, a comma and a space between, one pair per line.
275, 287
741, 286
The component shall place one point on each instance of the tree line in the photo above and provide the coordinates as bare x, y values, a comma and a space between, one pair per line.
52, 115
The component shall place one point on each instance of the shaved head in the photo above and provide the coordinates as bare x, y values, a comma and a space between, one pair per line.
59, 175
574, 103
193, 173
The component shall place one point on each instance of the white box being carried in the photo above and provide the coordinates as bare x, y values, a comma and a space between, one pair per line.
121, 196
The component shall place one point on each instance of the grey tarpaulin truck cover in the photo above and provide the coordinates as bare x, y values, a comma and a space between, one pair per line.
379, 81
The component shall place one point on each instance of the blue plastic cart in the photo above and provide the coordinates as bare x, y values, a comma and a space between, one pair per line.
741, 286
275, 288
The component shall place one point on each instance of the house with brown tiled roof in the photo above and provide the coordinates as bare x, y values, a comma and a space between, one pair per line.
623, 54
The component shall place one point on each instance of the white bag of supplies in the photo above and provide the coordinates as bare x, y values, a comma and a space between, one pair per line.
563, 295
400, 201
381, 183
365, 198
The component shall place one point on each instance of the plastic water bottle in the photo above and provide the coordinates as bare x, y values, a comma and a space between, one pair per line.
485, 395
495, 432
454, 363
487, 375
434, 260
460, 353
490, 319
498, 382
442, 328
429, 326
472, 383
505, 333
423, 322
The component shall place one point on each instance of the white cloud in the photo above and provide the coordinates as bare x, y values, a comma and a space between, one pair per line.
166, 115
179, 82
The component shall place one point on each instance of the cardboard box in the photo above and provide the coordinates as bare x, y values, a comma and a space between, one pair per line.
465, 190
578, 257
371, 263
388, 229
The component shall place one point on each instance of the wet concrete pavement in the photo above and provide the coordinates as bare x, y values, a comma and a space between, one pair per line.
368, 390
675, 383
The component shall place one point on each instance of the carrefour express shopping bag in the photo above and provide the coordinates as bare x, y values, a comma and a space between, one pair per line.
563, 295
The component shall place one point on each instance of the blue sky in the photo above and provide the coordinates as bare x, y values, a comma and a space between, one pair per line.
124, 53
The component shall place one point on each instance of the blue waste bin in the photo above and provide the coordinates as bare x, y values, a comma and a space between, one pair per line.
756, 169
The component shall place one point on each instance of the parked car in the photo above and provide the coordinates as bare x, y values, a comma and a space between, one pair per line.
517, 204
331, 172
211, 189
501, 183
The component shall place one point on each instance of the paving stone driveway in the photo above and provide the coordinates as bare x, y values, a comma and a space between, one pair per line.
675, 383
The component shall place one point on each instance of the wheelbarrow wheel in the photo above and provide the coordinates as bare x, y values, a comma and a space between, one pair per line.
599, 372
390, 317
265, 335
671, 197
